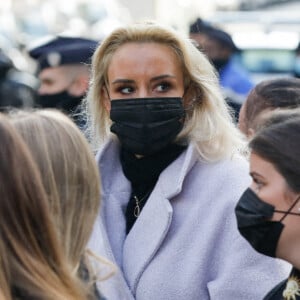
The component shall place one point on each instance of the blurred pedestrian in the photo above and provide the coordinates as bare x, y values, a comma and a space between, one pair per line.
265, 96
171, 173
198, 32
32, 264
221, 51
63, 70
268, 211
17, 88
71, 182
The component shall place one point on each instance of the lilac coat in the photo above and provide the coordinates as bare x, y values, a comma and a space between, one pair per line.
185, 244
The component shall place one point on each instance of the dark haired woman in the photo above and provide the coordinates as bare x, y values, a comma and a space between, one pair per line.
268, 212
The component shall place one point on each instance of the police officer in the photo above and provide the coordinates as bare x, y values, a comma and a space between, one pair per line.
221, 51
63, 71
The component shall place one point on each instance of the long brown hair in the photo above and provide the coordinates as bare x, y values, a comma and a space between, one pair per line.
69, 175
33, 265
271, 94
72, 184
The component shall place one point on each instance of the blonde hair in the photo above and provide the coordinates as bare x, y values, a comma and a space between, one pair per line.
69, 175
208, 123
32, 262
4, 274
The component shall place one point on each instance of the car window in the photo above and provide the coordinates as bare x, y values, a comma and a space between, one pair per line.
267, 60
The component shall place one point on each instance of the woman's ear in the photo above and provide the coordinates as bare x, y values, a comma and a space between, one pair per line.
290, 197
106, 99
250, 133
191, 94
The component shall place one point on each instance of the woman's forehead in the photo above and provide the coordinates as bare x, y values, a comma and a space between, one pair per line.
144, 58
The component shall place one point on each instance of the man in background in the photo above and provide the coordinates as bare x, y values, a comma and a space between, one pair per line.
221, 51
63, 71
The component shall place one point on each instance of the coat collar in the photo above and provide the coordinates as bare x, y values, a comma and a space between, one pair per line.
109, 163
134, 252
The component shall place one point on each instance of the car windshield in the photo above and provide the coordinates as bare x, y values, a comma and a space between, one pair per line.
267, 60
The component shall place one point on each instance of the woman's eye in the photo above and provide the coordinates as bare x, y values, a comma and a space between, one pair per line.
163, 87
258, 183
125, 90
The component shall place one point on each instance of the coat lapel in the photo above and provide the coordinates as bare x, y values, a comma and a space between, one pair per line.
115, 287
151, 228
132, 253
116, 192
145, 237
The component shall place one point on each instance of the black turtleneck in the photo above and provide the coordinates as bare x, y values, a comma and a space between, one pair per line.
143, 174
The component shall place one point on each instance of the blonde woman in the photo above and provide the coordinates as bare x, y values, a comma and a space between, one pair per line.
70, 178
32, 263
171, 173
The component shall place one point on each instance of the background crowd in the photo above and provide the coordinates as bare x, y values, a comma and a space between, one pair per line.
125, 168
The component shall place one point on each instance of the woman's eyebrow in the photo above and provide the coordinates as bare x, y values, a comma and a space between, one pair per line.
162, 77
123, 80
120, 80
255, 174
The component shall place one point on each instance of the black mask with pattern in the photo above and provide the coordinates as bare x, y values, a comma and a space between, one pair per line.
144, 126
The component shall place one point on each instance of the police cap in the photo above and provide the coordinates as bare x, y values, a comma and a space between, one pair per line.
223, 38
200, 26
62, 51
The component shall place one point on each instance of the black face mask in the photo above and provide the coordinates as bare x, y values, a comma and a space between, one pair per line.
62, 100
253, 218
219, 63
146, 125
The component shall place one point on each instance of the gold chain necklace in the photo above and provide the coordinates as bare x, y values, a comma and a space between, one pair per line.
137, 208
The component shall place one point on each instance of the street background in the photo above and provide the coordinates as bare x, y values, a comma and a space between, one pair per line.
270, 27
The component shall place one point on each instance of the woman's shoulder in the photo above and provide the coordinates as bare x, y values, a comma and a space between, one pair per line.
221, 174
232, 167
227, 177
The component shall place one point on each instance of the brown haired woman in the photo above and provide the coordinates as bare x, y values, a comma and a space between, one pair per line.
72, 183
269, 210
32, 263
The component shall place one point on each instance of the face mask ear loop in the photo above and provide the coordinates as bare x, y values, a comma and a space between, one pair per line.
289, 210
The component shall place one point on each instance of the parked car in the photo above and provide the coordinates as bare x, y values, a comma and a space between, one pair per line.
267, 54
267, 39
245, 4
